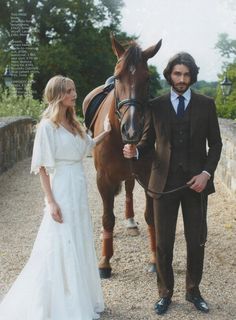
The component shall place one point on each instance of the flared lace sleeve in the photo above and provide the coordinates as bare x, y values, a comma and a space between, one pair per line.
90, 143
44, 147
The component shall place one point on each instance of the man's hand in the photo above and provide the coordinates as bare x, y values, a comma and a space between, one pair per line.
198, 183
129, 151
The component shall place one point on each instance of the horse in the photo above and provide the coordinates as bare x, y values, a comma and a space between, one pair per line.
126, 105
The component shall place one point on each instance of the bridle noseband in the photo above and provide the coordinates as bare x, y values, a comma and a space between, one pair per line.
126, 102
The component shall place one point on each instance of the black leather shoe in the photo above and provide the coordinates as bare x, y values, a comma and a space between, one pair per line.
198, 302
161, 306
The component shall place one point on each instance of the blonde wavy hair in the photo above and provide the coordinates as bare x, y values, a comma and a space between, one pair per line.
54, 93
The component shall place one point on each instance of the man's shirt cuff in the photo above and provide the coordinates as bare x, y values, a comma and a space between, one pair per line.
207, 173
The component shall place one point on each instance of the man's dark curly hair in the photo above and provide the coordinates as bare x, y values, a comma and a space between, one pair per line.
182, 58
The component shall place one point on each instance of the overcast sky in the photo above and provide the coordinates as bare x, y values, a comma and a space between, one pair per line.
184, 25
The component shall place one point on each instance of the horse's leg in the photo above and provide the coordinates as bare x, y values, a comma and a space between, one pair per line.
149, 217
107, 193
131, 225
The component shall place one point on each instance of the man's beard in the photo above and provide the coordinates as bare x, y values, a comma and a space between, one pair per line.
180, 88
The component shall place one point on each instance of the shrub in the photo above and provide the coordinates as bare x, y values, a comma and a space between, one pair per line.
12, 104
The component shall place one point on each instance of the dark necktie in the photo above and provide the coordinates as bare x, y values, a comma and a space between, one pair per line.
180, 108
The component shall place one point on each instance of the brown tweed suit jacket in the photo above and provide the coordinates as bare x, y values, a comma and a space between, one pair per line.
205, 139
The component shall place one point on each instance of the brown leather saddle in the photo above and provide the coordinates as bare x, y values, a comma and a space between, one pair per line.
93, 102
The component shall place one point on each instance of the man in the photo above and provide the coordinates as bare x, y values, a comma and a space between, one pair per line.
181, 125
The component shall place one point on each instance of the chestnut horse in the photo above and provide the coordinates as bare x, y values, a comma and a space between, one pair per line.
126, 106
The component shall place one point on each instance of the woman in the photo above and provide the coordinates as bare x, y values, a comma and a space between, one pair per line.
60, 281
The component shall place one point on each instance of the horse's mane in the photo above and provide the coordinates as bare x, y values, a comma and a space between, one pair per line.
131, 56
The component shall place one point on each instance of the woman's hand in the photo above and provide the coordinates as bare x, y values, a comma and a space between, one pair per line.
54, 209
106, 124
55, 212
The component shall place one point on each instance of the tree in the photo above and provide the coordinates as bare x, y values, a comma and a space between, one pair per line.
72, 38
226, 46
206, 88
226, 106
154, 81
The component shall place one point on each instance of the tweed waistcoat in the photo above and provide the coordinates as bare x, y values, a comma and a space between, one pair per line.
180, 140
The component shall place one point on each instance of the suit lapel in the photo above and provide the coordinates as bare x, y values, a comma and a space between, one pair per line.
166, 117
194, 112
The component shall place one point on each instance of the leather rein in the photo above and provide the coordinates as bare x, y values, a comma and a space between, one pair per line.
128, 102
159, 193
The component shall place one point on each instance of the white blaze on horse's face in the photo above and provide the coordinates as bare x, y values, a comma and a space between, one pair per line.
132, 96
132, 70
131, 88
131, 129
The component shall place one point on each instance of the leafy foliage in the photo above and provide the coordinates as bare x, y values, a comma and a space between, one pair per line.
226, 106
154, 81
226, 46
72, 38
12, 104
207, 88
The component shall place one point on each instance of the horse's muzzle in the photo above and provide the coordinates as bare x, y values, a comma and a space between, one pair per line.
131, 126
130, 136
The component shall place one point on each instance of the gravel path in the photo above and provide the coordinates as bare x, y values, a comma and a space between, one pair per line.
132, 291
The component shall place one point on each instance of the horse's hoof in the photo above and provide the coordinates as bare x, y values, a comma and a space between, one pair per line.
133, 232
131, 223
105, 273
152, 268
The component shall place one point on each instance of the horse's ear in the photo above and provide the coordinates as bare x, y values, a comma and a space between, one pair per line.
116, 47
151, 51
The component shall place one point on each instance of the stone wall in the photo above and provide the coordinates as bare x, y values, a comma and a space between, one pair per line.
16, 140
226, 169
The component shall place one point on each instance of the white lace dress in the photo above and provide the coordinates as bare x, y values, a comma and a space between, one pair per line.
60, 280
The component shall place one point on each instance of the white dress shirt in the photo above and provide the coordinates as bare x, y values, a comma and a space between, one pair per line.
175, 101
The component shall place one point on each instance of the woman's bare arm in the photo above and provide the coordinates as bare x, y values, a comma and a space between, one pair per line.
46, 186
102, 135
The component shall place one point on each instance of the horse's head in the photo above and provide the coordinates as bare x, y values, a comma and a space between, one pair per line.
132, 88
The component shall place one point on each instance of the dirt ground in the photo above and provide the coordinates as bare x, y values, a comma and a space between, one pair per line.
132, 291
